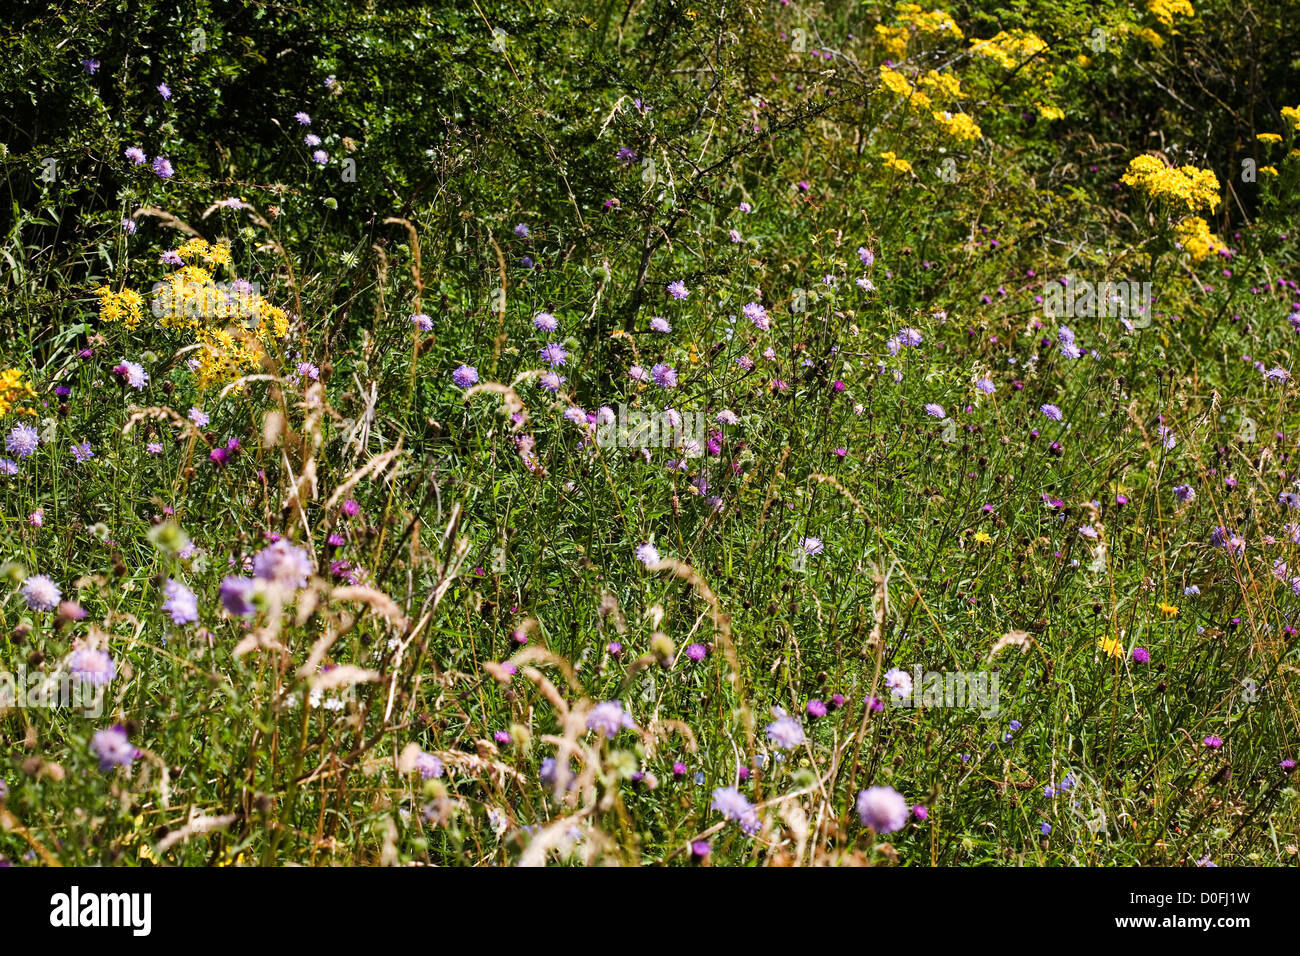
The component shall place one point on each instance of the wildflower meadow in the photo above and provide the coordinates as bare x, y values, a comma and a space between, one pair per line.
657, 433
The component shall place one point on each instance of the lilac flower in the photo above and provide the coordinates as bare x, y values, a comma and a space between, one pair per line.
678, 290
8, 467
1277, 374
284, 565
311, 139
883, 809
899, 682
866, 255
664, 375
936, 410
162, 167
465, 376
136, 155
609, 718
1051, 411
180, 603
83, 452
90, 64
745, 208
660, 324
91, 666
545, 322
1184, 493
521, 230
165, 91
237, 595
302, 118
985, 385
909, 337
785, 732
22, 441
308, 370
1213, 742
320, 157
647, 554
112, 748
553, 354
758, 315
429, 766
816, 708
552, 381
733, 805
171, 258
422, 322
154, 448
626, 155
40, 593
812, 546
135, 375
199, 417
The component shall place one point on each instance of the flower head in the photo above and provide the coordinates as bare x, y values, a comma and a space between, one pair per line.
40, 593
883, 809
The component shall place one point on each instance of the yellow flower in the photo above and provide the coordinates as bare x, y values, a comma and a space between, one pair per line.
1155, 39
894, 40
1268, 138
957, 125
982, 537
1009, 49
898, 84
1194, 235
1293, 114
896, 164
124, 306
1185, 185
942, 85
936, 21
12, 388
1271, 170
1050, 112
1169, 610
1110, 647
1164, 10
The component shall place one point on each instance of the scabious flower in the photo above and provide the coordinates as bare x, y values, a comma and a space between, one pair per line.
83, 452
609, 718
812, 546
8, 466
180, 603
545, 322
936, 410
91, 666
465, 376
758, 315
866, 255
22, 441
647, 554
899, 682
785, 732
135, 375
302, 118
40, 593
660, 324
985, 385
664, 375
136, 155
91, 65
162, 167
909, 337
553, 354
883, 809
734, 805
1184, 493
678, 290
237, 595
1051, 411
284, 565
422, 322
429, 766
320, 157
199, 417
112, 748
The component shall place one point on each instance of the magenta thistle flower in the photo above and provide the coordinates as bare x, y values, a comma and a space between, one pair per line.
1141, 655
697, 652
1213, 742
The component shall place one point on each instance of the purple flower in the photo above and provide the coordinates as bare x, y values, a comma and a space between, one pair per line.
758, 315
697, 652
284, 565
936, 410
883, 809
733, 805
135, 375
660, 324
136, 155
429, 766
237, 596
112, 748
321, 157
91, 65
199, 417
22, 441
816, 708
91, 666
82, 452
302, 118
40, 593
609, 718
553, 354
664, 375
165, 91
422, 322
1184, 493
785, 733
465, 376
678, 290
1213, 742
545, 322
1141, 655
180, 603
1051, 411
866, 255
163, 167
521, 231
647, 554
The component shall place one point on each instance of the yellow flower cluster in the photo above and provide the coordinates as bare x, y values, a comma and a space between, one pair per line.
1268, 138
944, 86
957, 125
1009, 49
1050, 112
893, 39
933, 22
898, 84
1164, 10
13, 388
1186, 185
1194, 235
1292, 113
896, 164
1155, 39
124, 306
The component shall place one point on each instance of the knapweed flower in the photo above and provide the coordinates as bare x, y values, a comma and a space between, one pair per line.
678, 290
180, 603
430, 766
697, 652
1213, 742
422, 322
664, 375
882, 809
609, 718
734, 805
112, 748
1141, 655
1051, 411
162, 167
545, 322
22, 441
647, 554
816, 709
283, 565
899, 682
40, 593
785, 732
91, 666
465, 376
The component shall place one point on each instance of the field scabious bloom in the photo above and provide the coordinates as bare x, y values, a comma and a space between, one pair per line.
22, 441
647, 554
665, 376
180, 603
545, 322
553, 354
899, 682
882, 809
1051, 411
41, 593
162, 167
283, 565
91, 666
678, 289
609, 718
734, 805
113, 748
785, 732
465, 376
430, 766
